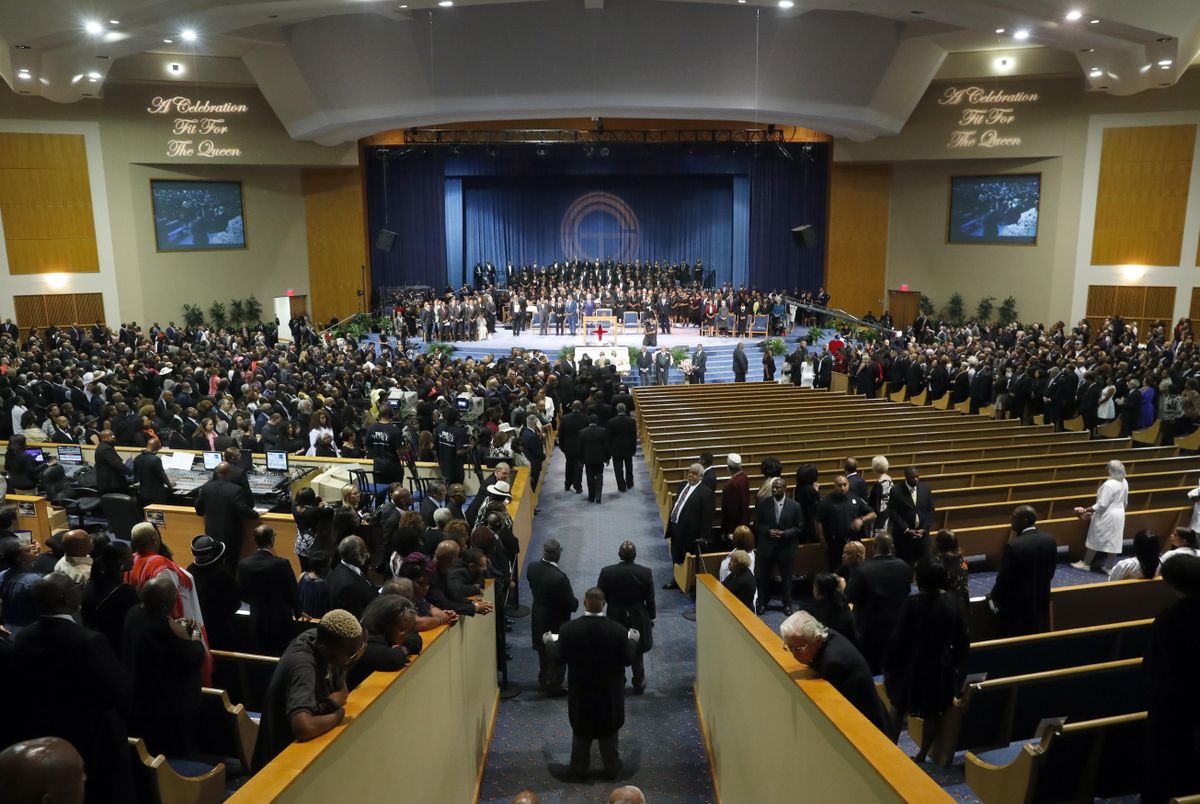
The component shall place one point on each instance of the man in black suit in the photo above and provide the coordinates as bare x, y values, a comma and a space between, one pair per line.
435, 498
1020, 389
981, 388
553, 604
622, 445
700, 363
535, 449
268, 585
164, 658
237, 475
877, 589
629, 590
858, 485
778, 522
645, 361
220, 503
91, 696
691, 517
740, 364
596, 650
568, 441
823, 371
911, 511
834, 658
349, 588
153, 484
1021, 594
593, 452
111, 476
662, 367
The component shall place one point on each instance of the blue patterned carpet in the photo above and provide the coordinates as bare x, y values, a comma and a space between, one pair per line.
660, 744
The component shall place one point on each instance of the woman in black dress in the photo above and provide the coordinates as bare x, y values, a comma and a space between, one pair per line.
947, 553
924, 667
830, 608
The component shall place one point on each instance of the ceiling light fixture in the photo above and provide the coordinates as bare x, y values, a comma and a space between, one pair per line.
94, 75
1001, 30
92, 80
1096, 72
741, 2
24, 76
1021, 35
1074, 14
1164, 66
93, 27
22, 47
1004, 64
785, 3
175, 67
188, 35
168, 41
1165, 63
114, 22
1094, 22
1162, 39
445, 3
1087, 50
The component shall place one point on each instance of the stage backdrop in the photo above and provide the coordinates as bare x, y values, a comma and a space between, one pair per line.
732, 210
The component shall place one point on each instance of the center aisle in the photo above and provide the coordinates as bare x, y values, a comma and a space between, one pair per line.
660, 744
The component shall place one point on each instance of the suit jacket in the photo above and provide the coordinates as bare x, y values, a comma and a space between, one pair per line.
877, 589
220, 503
858, 485
428, 507
148, 473
629, 591
350, 591
840, 663
696, 516
237, 476
553, 600
791, 522
596, 651
904, 509
735, 503
740, 364
110, 470
622, 436
165, 671
593, 445
700, 361
1022, 589
89, 709
824, 372
269, 585
569, 429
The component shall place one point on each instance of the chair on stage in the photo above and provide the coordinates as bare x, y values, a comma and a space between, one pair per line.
631, 322
759, 324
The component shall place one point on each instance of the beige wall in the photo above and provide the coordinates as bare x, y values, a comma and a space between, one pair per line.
1054, 135
128, 146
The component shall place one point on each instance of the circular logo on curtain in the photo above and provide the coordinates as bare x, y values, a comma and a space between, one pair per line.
599, 226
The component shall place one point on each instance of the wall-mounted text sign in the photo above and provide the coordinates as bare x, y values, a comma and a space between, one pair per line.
195, 128
982, 116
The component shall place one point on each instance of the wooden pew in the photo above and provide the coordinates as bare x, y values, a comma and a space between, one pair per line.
993, 714
1069, 761
162, 784
1054, 650
225, 729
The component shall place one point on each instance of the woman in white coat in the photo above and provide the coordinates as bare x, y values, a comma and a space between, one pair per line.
1106, 521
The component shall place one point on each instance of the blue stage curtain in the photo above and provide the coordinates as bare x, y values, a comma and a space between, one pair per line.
527, 220
741, 231
456, 271
412, 193
785, 194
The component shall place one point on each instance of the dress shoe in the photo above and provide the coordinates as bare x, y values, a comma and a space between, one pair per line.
760, 609
1082, 566
638, 689
671, 585
787, 609
579, 491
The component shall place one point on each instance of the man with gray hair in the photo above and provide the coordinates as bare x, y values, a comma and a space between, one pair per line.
691, 517
834, 658
628, 794
622, 445
435, 498
349, 588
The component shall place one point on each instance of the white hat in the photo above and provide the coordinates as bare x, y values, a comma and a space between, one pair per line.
87, 377
733, 458
501, 488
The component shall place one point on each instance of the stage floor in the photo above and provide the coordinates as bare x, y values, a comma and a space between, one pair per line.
503, 339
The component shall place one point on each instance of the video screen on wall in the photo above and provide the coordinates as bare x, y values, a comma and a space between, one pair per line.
994, 209
198, 215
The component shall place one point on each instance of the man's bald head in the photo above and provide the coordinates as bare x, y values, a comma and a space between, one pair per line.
55, 594
77, 543
223, 469
526, 797
159, 594
628, 794
47, 770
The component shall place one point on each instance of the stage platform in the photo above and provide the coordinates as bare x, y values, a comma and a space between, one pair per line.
503, 339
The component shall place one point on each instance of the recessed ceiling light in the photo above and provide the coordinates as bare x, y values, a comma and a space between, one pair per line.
404, 5
93, 27
1087, 50
168, 41
94, 75
114, 22
445, 3
1163, 39
1165, 63
1074, 14
1001, 30
1094, 22
22, 47
1004, 63
740, 3
93, 80
1096, 72
24, 76
188, 35
1164, 66
1021, 35
785, 3
22, 69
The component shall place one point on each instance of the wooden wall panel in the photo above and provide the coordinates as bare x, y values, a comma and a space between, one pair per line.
1160, 303
89, 307
31, 312
46, 204
60, 309
1140, 306
1194, 310
1130, 300
856, 260
1101, 298
336, 232
1141, 200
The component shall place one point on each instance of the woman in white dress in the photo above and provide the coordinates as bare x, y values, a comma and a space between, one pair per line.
807, 373
1106, 410
1182, 542
1106, 525
481, 329
1194, 496
1144, 561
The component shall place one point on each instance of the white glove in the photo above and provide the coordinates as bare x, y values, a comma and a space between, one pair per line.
635, 635
548, 637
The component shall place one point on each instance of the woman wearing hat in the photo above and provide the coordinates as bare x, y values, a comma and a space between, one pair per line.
220, 597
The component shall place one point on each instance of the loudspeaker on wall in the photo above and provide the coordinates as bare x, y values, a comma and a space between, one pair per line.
385, 240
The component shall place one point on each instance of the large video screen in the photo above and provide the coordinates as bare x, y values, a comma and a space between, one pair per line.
994, 209
197, 215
